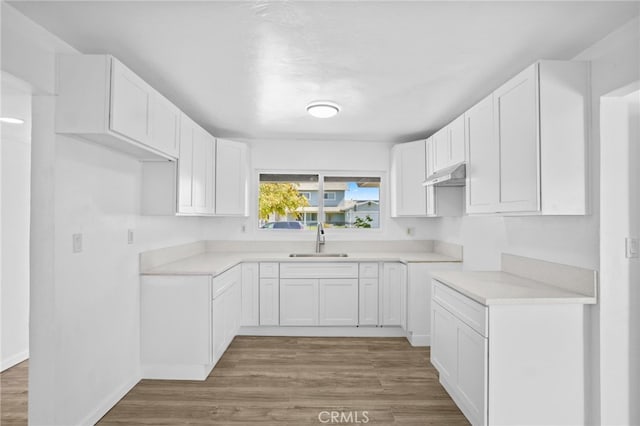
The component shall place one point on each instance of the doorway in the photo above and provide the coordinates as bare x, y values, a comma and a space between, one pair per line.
619, 263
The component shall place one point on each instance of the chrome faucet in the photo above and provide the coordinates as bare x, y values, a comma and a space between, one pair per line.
319, 237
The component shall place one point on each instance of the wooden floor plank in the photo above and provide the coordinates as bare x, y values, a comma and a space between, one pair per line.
283, 381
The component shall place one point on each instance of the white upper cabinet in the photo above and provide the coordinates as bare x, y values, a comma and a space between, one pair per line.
411, 163
448, 145
527, 143
211, 177
516, 131
483, 158
408, 166
196, 181
165, 125
231, 178
103, 101
456, 140
131, 101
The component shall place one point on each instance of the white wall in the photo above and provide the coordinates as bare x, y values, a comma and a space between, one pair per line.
84, 327
320, 156
15, 144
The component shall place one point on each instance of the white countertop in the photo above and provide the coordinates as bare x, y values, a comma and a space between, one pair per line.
501, 288
214, 263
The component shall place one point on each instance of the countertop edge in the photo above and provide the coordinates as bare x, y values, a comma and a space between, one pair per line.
242, 259
577, 299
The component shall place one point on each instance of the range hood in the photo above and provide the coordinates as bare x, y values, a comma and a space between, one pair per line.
449, 176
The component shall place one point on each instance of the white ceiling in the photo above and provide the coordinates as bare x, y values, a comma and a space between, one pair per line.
400, 70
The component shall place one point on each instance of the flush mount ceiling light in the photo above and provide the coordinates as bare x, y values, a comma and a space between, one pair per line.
11, 120
323, 109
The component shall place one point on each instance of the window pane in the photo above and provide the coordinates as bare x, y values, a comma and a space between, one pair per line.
351, 202
288, 201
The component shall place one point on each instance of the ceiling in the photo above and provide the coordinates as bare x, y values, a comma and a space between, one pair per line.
399, 70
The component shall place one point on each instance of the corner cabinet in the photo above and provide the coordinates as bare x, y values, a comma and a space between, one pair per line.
209, 178
231, 178
101, 100
526, 143
408, 167
411, 162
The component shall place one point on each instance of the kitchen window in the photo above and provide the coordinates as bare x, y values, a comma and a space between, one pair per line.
293, 201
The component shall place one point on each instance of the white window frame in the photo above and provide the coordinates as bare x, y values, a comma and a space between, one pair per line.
332, 193
383, 212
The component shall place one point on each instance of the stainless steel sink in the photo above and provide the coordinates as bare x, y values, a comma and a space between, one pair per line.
318, 255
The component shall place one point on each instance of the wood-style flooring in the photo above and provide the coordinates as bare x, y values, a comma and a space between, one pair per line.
13, 395
293, 380
283, 381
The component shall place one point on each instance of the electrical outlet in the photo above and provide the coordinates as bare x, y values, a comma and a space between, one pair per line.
410, 230
243, 228
631, 247
77, 242
130, 236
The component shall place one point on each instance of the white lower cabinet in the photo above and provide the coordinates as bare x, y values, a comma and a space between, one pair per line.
187, 322
298, 301
226, 309
338, 304
502, 365
269, 293
368, 301
175, 327
459, 353
393, 294
250, 294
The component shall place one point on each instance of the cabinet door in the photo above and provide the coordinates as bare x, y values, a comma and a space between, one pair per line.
165, 126
203, 171
131, 100
231, 178
431, 168
483, 159
517, 131
442, 149
409, 170
298, 301
338, 304
456, 140
392, 294
471, 373
269, 301
443, 343
250, 295
185, 165
368, 304
219, 327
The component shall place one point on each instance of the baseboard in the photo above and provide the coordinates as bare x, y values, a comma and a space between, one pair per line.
14, 360
176, 371
419, 339
109, 402
323, 331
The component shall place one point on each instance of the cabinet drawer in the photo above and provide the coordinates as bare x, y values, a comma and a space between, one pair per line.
319, 270
468, 311
368, 270
269, 270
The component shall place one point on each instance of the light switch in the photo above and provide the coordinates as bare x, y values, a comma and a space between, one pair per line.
77, 243
631, 247
129, 236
